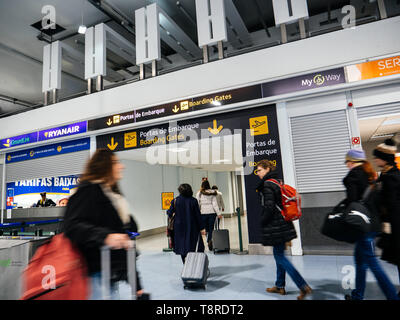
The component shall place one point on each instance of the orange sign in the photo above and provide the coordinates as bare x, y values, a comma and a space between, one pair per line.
397, 159
166, 198
374, 69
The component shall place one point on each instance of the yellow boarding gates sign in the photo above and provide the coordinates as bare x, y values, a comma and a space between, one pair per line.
259, 125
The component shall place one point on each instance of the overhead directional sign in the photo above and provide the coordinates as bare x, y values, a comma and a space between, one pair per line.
112, 121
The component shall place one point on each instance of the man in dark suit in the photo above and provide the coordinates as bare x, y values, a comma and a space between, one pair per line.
44, 202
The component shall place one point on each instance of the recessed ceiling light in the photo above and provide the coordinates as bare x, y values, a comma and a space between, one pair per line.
222, 161
177, 149
82, 29
382, 136
391, 121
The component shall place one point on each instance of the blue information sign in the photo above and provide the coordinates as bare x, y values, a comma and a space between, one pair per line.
49, 150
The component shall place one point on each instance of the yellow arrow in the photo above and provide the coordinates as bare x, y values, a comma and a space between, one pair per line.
113, 145
215, 130
175, 109
109, 122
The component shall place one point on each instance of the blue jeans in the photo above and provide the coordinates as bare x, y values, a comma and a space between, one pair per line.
95, 287
208, 222
364, 257
283, 265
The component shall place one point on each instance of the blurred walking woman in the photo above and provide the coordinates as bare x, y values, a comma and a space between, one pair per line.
187, 222
276, 231
209, 209
359, 178
97, 215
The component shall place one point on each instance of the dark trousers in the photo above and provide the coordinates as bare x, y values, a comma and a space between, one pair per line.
208, 222
183, 256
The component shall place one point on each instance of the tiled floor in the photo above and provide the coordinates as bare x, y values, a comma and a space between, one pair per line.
245, 277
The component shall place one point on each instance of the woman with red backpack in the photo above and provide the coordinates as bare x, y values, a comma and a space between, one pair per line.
276, 231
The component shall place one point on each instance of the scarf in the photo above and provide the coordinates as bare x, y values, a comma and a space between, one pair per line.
119, 202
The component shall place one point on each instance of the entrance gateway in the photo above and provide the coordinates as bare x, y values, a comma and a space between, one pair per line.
258, 128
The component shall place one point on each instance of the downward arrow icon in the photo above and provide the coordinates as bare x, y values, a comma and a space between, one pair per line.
215, 130
109, 122
175, 109
113, 145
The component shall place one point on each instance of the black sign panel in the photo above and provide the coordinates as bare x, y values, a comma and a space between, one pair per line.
226, 97
133, 139
259, 136
261, 142
304, 82
112, 121
163, 111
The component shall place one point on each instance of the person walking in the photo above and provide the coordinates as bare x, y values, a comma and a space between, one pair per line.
96, 215
188, 225
361, 175
220, 202
276, 232
209, 209
384, 158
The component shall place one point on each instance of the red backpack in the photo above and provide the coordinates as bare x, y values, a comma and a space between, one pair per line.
56, 272
291, 201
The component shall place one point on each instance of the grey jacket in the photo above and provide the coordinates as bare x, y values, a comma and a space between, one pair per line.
208, 202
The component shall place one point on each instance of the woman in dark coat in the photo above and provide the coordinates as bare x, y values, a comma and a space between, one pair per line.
359, 178
276, 231
97, 215
188, 227
390, 180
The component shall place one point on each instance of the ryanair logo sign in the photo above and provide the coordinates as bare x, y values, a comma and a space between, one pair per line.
63, 131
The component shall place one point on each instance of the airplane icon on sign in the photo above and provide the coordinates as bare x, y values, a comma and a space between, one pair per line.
258, 124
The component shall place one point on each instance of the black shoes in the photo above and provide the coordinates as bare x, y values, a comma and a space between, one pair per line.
347, 297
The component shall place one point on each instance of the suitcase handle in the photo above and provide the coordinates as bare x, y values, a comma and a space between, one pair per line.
106, 270
216, 226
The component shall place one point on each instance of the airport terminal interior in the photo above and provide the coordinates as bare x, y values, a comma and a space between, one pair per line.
186, 91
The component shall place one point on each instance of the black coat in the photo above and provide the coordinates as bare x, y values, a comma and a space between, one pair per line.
390, 196
89, 218
187, 225
356, 183
47, 203
274, 229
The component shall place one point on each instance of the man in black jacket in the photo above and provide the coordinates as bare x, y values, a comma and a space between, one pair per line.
276, 231
44, 202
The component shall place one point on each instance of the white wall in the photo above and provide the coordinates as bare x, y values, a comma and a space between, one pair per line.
224, 184
143, 184
316, 53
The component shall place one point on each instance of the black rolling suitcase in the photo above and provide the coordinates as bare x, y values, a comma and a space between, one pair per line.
220, 238
195, 270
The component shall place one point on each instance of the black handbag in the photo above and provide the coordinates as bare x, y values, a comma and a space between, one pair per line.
348, 223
